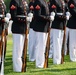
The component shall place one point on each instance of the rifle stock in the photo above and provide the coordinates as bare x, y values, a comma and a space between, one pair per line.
6, 33
2, 48
24, 58
63, 45
0, 54
47, 50
68, 45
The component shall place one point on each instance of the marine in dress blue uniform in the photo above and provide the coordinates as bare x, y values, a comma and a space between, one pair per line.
58, 6
31, 44
3, 20
41, 25
72, 30
18, 10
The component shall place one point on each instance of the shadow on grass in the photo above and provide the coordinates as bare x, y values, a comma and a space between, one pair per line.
32, 69
52, 70
8, 64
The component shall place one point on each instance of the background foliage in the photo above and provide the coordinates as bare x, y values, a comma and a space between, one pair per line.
8, 1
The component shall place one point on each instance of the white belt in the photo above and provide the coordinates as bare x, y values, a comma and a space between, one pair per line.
20, 16
1, 15
59, 13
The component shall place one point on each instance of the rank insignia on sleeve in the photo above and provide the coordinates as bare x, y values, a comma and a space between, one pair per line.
13, 7
71, 5
53, 6
37, 7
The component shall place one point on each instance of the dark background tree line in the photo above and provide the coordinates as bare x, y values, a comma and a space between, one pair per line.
8, 1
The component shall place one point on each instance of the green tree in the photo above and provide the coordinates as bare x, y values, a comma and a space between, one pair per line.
7, 4
8, 1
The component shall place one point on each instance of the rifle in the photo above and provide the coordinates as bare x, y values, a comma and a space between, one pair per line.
52, 15
68, 45
6, 33
47, 50
26, 41
63, 43
64, 36
2, 49
25, 47
8, 17
24, 56
47, 47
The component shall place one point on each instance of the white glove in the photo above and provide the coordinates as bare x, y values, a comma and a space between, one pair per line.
67, 15
52, 15
8, 15
7, 18
29, 17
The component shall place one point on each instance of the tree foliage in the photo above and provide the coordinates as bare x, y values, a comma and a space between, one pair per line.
8, 1
7, 4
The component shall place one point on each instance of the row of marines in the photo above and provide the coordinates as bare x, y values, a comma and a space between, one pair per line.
56, 14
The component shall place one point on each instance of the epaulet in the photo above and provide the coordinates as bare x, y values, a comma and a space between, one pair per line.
53, 6
31, 7
72, 6
37, 7
13, 7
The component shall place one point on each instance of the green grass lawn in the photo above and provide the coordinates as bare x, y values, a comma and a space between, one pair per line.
69, 68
